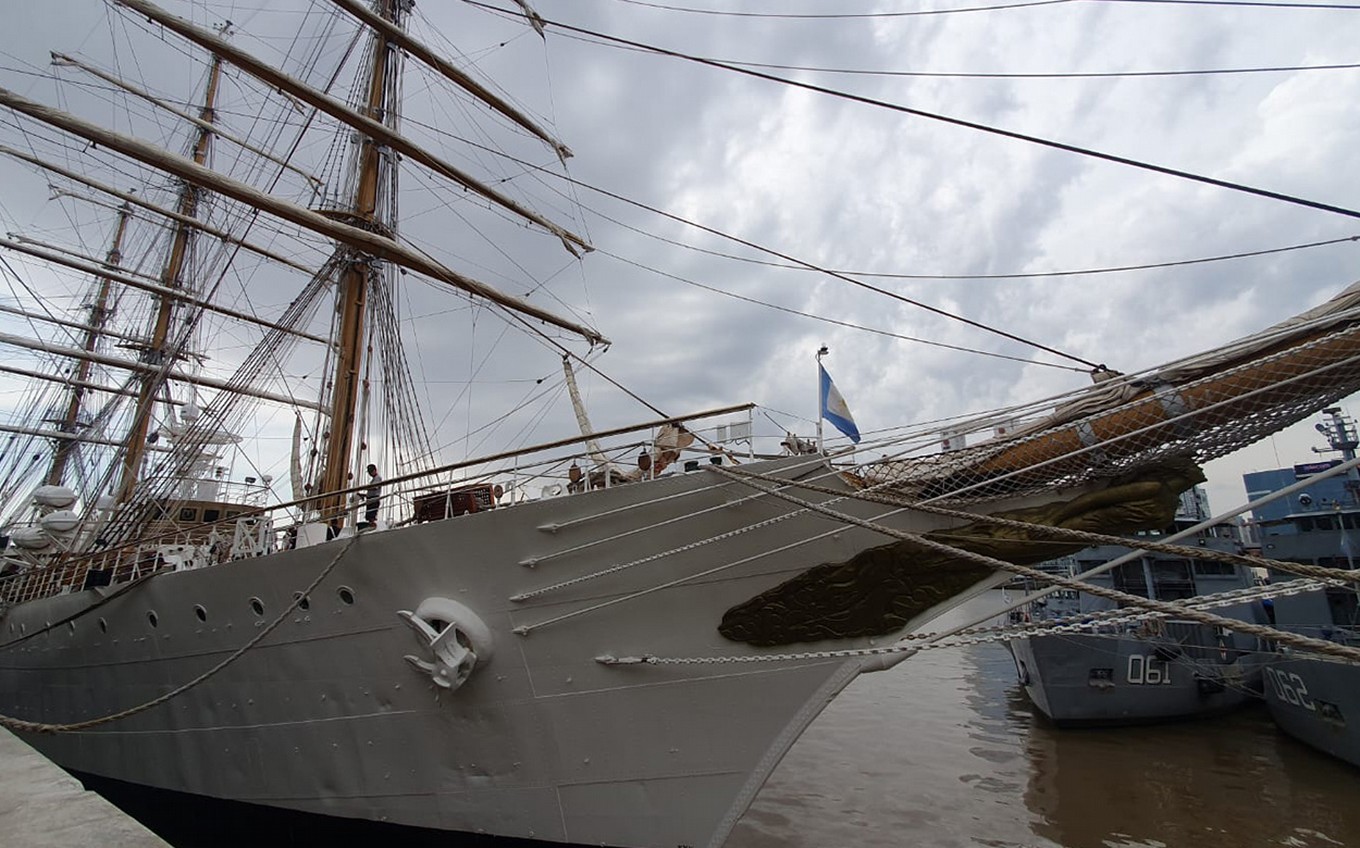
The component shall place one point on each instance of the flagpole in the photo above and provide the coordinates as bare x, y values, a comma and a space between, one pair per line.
823, 351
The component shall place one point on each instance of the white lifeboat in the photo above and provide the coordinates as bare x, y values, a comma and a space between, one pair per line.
57, 497
30, 538
61, 521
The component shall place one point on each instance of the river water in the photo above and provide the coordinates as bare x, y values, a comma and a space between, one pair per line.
945, 750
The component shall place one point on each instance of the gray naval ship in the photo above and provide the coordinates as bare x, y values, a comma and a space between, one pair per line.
1314, 699
1129, 673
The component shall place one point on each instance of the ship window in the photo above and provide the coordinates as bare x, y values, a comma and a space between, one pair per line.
188, 513
1325, 522
71, 626
212, 514
1208, 566
1350, 521
346, 594
1342, 605
1303, 523
1172, 579
1129, 578
200, 612
103, 626
303, 602
151, 618
257, 606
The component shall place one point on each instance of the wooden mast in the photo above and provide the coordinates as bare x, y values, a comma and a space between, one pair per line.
155, 353
98, 314
353, 292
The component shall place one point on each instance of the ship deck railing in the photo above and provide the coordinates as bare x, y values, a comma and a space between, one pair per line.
502, 481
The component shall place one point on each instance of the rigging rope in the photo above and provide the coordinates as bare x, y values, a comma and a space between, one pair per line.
613, 40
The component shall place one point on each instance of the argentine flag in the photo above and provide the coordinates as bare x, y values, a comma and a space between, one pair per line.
834, 408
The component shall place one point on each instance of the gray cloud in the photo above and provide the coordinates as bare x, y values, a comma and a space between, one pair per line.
842, 185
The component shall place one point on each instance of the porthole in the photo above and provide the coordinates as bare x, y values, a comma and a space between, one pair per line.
346, 594
257, 606
103, 626
303, 602
151, 618
200, 613
23, 628
71, 626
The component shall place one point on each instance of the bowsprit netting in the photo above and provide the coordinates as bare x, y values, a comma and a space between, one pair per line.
1201, 408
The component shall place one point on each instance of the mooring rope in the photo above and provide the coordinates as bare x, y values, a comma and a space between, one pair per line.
42, 727
119, 591
1300, 569
1295, 640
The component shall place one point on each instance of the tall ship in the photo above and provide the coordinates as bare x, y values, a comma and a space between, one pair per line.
1144, 671
607, 637
1312, 698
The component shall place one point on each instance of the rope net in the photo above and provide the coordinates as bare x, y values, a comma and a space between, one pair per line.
1202, 409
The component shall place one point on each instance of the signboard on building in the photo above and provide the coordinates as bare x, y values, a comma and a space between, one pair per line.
1308, 469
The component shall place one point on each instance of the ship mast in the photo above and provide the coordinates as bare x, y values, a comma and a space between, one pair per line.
355, 281
155, 353
98, 315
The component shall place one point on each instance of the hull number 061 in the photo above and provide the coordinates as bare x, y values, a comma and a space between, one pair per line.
1148, 670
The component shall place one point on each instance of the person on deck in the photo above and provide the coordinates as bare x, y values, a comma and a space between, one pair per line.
372, 497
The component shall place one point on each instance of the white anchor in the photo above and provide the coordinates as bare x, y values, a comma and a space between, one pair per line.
455, 637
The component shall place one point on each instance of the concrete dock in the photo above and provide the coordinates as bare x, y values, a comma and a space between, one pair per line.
42, 806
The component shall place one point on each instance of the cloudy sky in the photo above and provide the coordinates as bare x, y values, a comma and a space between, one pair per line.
832, 182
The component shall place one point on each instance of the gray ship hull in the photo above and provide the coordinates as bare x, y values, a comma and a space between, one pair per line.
330, 714
1317, 702
1096, 679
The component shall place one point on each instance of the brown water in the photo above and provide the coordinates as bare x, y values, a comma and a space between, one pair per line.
945, 750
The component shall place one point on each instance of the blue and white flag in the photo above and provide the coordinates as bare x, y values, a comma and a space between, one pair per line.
835, 410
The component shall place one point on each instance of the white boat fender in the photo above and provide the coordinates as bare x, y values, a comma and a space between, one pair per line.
455, 638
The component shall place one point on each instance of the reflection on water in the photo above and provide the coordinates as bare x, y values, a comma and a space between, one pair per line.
945, 750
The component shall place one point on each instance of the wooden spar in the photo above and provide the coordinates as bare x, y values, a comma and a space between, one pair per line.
70, 381
159, 350
133, 282
99, 313
128, 197
353, 294
363, 123
62, 60
1205, 403
582, 419
372, 243
66, 251
143, 368
72, 325
69, 440
414, 48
